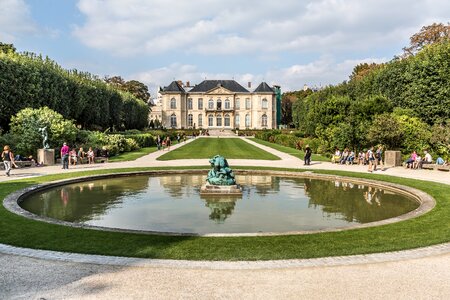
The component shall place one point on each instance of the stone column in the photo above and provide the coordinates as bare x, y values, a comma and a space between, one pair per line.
46, 157
393, 158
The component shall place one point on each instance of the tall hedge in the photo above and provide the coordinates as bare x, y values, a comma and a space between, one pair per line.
29, 80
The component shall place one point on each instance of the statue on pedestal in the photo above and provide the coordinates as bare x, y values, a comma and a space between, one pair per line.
44, 134
220, 174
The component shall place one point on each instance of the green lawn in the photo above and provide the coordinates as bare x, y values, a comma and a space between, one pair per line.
127, 156
294, 152
429, 229
227, 147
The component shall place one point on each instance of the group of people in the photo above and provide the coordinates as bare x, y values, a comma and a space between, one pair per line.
415, 161
370, 157
74, 157
163, 143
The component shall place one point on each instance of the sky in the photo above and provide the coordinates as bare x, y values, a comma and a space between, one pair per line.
289, 43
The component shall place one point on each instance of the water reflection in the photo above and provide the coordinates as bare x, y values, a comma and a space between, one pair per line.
173, 203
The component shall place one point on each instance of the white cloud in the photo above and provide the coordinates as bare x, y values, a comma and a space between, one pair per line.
317, 73
264, 26
15, 20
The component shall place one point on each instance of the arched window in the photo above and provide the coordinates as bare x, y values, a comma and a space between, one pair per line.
210, 104
264, 120
218, 120
219, 104
190, 120
200, 120
210, 120
226, 120
173, 103
173, 121
227, 104
236, 121
264, 103
247, 121
189, 103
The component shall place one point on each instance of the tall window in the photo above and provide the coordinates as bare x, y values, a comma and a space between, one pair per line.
236, 121
200, 120
227, 104
173, 121
237, 103
247, 121
226, 120
219, 104
189, 103
190, 120
210, 104
218, 120
210, 120
264, 103
248, 103
264, 120
173, 103
200, 103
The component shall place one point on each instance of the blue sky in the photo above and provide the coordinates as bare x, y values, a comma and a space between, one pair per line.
290, 42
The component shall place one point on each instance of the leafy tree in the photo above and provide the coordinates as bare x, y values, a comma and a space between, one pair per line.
7, 48
387, 131
134, 87
26, 125
434, 33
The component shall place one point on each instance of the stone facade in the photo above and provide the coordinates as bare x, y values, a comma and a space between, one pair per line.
217, 104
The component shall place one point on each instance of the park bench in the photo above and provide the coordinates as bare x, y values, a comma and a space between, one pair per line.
20, 164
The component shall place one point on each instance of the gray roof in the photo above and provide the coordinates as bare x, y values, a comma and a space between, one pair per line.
207, 85
264, 88
174, 87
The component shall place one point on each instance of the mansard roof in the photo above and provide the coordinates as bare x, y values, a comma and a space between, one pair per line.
174, 87
207, 85
264, 88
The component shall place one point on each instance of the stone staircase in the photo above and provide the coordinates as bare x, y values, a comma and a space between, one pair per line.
221, 132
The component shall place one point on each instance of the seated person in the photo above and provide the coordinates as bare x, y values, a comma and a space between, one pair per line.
73, 157
337, 156
344, 156
410, 161
417, 163
361, 158
351, 158
428, 159
91, 156
440, 161
81, 155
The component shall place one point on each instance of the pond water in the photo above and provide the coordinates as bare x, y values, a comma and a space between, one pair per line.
172, 203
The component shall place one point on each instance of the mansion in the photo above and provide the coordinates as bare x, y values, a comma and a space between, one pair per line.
217, 104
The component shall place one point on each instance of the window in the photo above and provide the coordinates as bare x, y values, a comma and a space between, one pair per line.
219, 104
227, 104
190, 120
200, 103
227, 120
264, 120
173, 121
200, 120
248, 103
210, 104
236, 121
237, 103
189, 103
210, 120
247, 121
264, 103
218, 120
173, 103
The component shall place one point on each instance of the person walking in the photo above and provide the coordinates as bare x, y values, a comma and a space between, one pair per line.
168, 141
65, 156
379, 157
308, 153
8, 159
371, 159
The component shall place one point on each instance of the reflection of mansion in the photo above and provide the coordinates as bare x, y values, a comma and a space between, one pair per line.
217, 104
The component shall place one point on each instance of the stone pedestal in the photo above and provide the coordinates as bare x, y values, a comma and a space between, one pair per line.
209, 189
46, 157
393, 158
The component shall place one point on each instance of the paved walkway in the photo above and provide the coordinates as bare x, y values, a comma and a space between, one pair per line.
400, 277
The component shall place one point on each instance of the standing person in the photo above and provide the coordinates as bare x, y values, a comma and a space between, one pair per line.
8, 159
168, 141
65, 156
308, 153
379, 157
91, 156
371, 159
158, 142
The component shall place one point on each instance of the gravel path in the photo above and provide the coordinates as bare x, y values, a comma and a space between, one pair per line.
24, 277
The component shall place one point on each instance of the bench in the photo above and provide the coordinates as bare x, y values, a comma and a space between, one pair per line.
20, 164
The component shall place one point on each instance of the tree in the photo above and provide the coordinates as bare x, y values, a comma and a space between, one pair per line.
428, 35
134, 87
7, 48
386, 130
361, 70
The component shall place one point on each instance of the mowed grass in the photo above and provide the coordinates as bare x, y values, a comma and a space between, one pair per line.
431, 228
128, 156
234, 148
291, 151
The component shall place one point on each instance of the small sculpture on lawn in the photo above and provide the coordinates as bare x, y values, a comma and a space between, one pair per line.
220, 174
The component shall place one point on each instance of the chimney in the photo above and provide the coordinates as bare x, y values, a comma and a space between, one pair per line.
188, 84
249, 84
